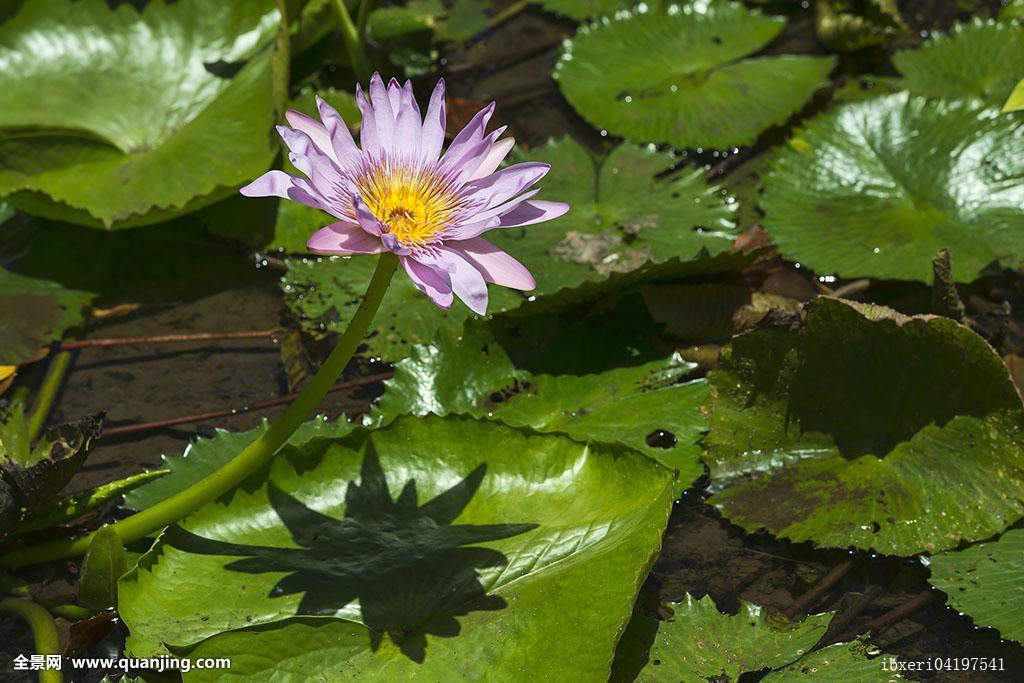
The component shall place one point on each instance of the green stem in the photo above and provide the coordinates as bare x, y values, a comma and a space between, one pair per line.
254, 456
43, 630
47, 393
353, 41
364, 11
73, 612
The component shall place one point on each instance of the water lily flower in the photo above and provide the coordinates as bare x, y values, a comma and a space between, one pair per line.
399, 193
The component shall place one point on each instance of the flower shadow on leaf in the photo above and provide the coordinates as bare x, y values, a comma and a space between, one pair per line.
405, 563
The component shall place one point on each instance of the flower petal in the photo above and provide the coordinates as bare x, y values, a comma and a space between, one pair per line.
344, 238
270, 184
432, 281
314, 129
368, 138
493, 158
408, 128
494, 264
502, 185
345, 150
383, 115
367, 221
467, 140
434, 124
467, 282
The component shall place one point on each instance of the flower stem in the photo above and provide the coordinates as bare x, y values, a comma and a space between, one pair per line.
43, 630
353, 41
55, 374
254, 456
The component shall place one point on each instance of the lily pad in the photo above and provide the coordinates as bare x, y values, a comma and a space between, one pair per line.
442, 548
33, 313
876, 188
980, 59
585, 9
205, 455
126, 117
470, 374
701, 644
684, 76
840, 663
868, 429
629, 208
986, 582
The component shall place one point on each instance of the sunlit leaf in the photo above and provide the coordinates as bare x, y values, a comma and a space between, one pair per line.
120, 117
682, 77
699, 643
980, 59
878, 187
867, 429
102, 566
1015, 102
438, 547
470, 374
986, 582
585, 9
840, 663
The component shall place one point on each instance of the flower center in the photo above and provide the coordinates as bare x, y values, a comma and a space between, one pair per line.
415, 205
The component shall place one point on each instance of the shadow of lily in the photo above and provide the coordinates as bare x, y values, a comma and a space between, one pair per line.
407, 564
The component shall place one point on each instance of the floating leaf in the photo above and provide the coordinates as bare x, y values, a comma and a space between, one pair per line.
446, 548
865, 429
1015, 102
120, 117
33, 313
628, 209
205, 455
701, 644
680, 76
878, 187
840, 663
470, 374
986, 582
853, 25
980, 59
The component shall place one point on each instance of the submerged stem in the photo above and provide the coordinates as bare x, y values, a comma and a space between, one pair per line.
254, 456
353, 41
44, 631
47, 393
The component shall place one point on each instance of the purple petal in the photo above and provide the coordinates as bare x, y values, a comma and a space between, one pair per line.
392, 244
270, 184
502, 185
495, 265
367, 221
314, 129
493, 159
344, 238
345, 150
368, 138
467, 282
408, 128
432, 281
467, 139
383, 116
433, 124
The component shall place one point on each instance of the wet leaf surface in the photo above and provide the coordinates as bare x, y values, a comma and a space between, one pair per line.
33, 313
685, 78
410, 550
860, 430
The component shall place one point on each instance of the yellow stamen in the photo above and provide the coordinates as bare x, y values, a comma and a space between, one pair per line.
414, 205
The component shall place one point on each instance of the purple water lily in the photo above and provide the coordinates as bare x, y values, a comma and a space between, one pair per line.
400, 194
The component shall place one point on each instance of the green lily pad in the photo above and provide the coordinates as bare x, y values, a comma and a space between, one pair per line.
840, 663
35, 312
682, 77
439, 547
701, 644
470, 374
867, 429
628, 209
986, 582
981, 59
126, 117
205, 455
878, 187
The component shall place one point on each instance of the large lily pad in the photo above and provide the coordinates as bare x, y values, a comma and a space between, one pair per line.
980, 59
986, 582
876, 188
700, 643
120, 117
33, 313
583, 9
867, 429
471, 374
840, 663
683, 77
442, 548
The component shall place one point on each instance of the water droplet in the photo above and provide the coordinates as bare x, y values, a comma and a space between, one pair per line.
604, 133
876, 250
627, 99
